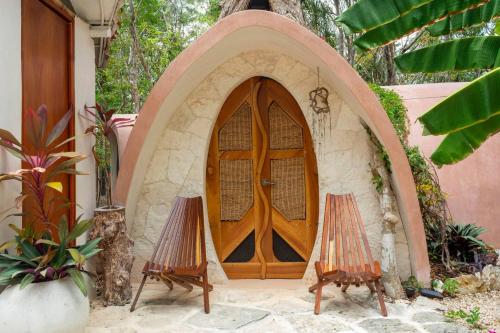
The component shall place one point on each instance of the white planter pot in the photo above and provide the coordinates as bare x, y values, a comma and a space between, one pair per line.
47, 307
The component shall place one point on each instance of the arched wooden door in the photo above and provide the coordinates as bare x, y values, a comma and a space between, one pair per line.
262, 183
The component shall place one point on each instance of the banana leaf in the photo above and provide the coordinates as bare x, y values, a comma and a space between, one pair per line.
469, 18
368, 14
413, 21
458, 145
459, 54
473, 104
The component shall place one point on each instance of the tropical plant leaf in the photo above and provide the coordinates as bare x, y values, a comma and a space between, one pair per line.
18, 258
89, 247
47, 242
472, 104
58, 186
368, 14
497, 27
412, 21
62, 229
79, 229
28, 250
77, 256
459, 54
9, 137
13, 150
7, 245
27, 279
77, 277
458, 145
469, 18
59, 128
69, 154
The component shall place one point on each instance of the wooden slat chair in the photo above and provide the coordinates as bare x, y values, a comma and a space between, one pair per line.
345, 257
180, 256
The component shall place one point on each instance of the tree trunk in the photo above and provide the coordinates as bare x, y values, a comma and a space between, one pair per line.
389, 53
116, 258
135, 41
289, 8
229, 7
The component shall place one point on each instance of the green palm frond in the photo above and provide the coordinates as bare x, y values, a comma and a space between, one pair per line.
412, 21
459, 54
469, 18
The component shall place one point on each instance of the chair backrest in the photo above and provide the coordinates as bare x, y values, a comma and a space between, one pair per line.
344, 242
182, 240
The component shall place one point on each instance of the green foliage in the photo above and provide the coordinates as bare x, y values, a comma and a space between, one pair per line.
412, 282
431, 199
35, 255
472, 318
395, 109
378, 182
321, 19
164, 29
458, 54
450, 287
467, 117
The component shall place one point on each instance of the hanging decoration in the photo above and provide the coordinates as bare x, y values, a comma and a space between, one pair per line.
318, 99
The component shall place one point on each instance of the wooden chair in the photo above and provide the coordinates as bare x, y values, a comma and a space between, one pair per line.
345, 257
180, 255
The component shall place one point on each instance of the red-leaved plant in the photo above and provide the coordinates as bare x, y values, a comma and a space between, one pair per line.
105, 127
38, 254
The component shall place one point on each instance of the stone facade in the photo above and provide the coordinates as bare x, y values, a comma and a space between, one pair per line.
344, 155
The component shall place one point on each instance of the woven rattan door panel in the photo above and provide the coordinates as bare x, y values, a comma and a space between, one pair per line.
262, 189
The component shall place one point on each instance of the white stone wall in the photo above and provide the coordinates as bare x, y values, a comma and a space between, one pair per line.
178, 163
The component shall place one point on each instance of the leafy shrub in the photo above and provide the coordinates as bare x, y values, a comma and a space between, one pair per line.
37, 254
412, 282
464, 242
472, 318
450, 287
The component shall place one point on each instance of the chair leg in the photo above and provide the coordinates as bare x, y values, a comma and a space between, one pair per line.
132, 308
317, 304
206, 289
313, 288
168, 283
344, 288
381, 298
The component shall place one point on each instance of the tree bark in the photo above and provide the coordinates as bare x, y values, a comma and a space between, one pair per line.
289, 8
389, 53
135, 41
229, 7
116, 258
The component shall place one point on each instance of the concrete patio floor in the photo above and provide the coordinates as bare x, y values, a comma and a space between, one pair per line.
267, 306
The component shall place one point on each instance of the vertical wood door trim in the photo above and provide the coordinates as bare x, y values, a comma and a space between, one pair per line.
68, 17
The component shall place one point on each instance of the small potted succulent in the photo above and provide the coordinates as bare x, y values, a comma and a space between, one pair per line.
411, 286
42, 267
116, 259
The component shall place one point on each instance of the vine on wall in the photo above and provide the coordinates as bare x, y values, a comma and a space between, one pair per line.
432, 199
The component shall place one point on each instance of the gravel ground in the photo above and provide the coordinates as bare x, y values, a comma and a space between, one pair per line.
489, 304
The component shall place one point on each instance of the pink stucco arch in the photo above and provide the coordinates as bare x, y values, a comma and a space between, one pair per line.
249, 30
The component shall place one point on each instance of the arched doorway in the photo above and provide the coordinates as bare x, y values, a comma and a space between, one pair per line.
262, 183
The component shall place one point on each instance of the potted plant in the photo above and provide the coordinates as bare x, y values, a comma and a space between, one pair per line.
109, 220
411, 286
41, 266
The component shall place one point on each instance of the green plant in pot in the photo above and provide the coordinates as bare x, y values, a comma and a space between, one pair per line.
116, 260
411, 286
41, 266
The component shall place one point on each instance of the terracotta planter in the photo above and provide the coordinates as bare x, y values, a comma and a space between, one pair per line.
56, 306
116, 258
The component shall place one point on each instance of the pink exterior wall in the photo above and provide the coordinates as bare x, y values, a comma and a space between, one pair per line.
472, 185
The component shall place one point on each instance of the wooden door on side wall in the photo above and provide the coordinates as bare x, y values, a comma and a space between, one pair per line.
262, 183
47, 78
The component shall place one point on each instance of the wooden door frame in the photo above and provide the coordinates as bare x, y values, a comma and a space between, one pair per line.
69, 17
247, 91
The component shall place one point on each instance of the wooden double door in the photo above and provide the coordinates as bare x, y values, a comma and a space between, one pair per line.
262, 183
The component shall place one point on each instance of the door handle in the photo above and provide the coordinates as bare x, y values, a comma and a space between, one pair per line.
267, 182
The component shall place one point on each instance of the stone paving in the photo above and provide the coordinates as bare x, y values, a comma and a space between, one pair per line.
268, 306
